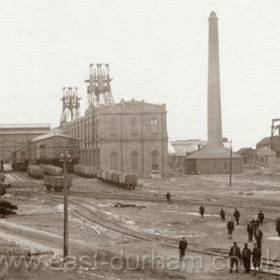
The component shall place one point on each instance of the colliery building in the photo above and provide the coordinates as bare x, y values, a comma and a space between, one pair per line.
129, 136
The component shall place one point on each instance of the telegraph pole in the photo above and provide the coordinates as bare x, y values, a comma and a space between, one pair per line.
65, 157
230, 164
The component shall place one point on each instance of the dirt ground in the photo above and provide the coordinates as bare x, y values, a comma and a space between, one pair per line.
33, 237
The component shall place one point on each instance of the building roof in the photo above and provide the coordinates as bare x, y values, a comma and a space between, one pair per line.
212, 153
246, 151
185, 147
264, 141
51, 134
265, 151
24, 125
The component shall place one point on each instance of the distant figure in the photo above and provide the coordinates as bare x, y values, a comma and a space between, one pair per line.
201, 210
183, 244
258, 237
234, 255
236, 215
257, 255
261, 217
278, 225
230, 228
223, 214
246, 258
168, 197
256, 224
250, 231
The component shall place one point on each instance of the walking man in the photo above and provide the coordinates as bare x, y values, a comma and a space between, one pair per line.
168, 198
256, 224
261, 217
277, 224
257, 255
246, 258
230, 228
223, 214
236, 215
183, 244
258, 237
250, 231
234, 255
201, 210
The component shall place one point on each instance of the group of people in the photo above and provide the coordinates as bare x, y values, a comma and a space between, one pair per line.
246, 255
255, 235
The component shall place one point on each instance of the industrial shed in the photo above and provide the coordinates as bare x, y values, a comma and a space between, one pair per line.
213, 161
47, 148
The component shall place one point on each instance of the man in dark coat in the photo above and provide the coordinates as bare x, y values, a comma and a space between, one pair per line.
236, 215
250, 231
258, 237
246, 258
234, 255
168, 198
277, 224
261, 217
201, 210
257, 255
230, 228
223, 214
183, 244
255, 224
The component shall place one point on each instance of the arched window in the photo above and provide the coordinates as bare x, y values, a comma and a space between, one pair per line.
154, 125
155, 162
134, 160
114, 161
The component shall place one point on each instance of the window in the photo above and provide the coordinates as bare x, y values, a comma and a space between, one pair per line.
154, 125
134, 160
155, 162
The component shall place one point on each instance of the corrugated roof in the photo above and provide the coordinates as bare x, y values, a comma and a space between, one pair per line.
25, 125
214, 152
50, 135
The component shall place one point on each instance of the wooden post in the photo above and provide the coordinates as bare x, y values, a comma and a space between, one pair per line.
230, 165
65, 251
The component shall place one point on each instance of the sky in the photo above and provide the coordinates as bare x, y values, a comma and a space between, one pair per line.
157, 52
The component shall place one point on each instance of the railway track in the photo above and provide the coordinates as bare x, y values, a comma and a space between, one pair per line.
269, 266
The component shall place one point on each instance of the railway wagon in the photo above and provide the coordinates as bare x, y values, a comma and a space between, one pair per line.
85, 171
35, 171
2, 178
56, 183
128, 181
49, 169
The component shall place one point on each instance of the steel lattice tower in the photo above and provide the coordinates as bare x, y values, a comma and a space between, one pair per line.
70, 105
99, 87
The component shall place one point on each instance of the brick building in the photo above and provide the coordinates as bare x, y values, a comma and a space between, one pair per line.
129, 136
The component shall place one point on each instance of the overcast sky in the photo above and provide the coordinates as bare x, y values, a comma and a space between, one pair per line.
157, 51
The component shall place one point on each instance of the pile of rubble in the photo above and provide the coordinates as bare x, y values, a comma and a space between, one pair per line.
7, 208
122, 205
